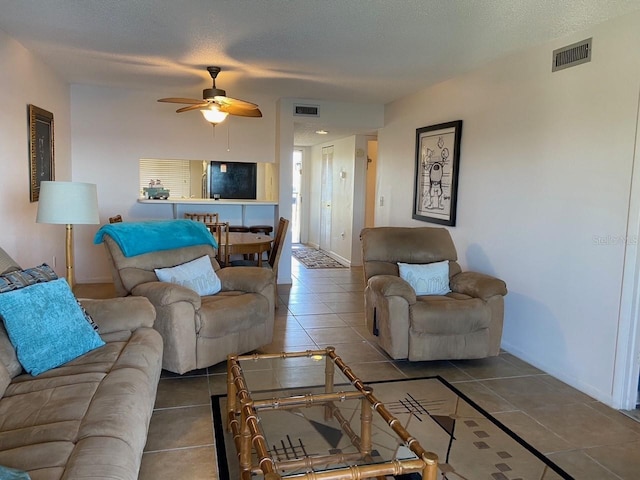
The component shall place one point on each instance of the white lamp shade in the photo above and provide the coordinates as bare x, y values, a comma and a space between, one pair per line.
213, 114
68, 203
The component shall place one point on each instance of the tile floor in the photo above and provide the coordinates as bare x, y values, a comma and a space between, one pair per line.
325, 307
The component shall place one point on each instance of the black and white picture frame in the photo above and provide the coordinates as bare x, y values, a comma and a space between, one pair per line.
436, 173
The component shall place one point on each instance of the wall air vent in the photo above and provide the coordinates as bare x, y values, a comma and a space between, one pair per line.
571, 55
306, 110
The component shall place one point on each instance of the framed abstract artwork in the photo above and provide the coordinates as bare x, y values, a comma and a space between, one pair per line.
436, 173
41, 153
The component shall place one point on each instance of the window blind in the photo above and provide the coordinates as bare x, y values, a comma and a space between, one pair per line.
174, 175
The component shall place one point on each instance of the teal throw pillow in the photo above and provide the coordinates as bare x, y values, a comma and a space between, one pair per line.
46, 326
7, 473
16, 279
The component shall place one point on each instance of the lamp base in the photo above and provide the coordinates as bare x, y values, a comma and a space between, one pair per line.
69, 249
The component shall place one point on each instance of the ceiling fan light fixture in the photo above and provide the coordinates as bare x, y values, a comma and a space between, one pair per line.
213, 115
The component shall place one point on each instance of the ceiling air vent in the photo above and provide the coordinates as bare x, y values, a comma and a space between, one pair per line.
571, 55
306, 110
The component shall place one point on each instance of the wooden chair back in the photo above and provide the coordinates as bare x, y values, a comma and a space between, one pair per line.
278, 241
203, 217
115, 219
220, 231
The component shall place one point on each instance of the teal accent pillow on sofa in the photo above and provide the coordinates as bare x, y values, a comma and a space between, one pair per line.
7, 473
46, 325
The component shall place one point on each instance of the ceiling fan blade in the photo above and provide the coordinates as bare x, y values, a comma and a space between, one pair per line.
236, 102
191, 101
241, 111
193, 107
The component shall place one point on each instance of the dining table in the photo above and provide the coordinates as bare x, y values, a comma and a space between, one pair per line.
244, 243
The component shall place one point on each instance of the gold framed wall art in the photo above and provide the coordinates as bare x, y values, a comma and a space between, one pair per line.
41, 150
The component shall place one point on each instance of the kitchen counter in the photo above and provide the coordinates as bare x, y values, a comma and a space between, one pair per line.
233, 211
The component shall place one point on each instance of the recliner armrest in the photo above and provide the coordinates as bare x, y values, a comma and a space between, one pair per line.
390, 285
163, 293
478, 285
120, 314
245, 279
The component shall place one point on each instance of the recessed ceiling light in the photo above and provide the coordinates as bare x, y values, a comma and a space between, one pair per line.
321, 132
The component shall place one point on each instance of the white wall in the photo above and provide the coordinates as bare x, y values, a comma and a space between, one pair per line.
545, 171
113, 128
24, 80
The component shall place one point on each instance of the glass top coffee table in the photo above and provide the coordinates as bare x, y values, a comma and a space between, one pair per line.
337, 430
306, 415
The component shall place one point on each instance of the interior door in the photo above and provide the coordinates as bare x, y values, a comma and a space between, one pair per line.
326, 192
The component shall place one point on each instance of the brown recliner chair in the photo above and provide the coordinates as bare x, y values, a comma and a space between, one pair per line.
465, 323
199, 331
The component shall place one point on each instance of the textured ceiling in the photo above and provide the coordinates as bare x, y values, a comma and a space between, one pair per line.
371, 51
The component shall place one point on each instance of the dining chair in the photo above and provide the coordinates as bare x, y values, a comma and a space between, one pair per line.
276, 249
274, 254
278, 241
209, 219
220, 231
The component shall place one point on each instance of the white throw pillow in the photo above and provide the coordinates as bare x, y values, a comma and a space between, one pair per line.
198, 275
427, 279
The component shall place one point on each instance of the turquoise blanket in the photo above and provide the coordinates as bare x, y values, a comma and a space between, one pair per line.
136, 238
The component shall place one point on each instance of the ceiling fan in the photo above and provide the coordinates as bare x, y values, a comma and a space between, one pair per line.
215, 105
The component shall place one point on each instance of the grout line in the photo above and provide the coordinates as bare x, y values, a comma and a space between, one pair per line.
205, 445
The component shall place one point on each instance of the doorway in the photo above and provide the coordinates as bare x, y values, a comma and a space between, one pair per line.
326, 195
627, 366
370, 193
296, 201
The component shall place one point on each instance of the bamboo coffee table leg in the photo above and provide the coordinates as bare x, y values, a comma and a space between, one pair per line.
245, 439
430, 471
231, 389
366, 416
329, 371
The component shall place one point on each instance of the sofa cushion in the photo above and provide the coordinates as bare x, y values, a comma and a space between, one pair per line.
46, 325
5, 380
8, 355
444, 315
198, 275
230, 312
426, 279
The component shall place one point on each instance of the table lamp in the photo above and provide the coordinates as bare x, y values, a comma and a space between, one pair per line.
68, 203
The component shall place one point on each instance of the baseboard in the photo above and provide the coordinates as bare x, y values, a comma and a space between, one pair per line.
339, 259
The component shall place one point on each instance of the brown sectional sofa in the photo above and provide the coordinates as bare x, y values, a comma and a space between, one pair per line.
88, 418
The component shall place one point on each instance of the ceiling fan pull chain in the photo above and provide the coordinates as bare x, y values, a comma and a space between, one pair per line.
228, 144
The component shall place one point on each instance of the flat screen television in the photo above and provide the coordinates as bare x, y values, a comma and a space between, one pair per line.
233, 180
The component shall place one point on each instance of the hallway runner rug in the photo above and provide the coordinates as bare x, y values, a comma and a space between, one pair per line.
312, 258
469, 442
